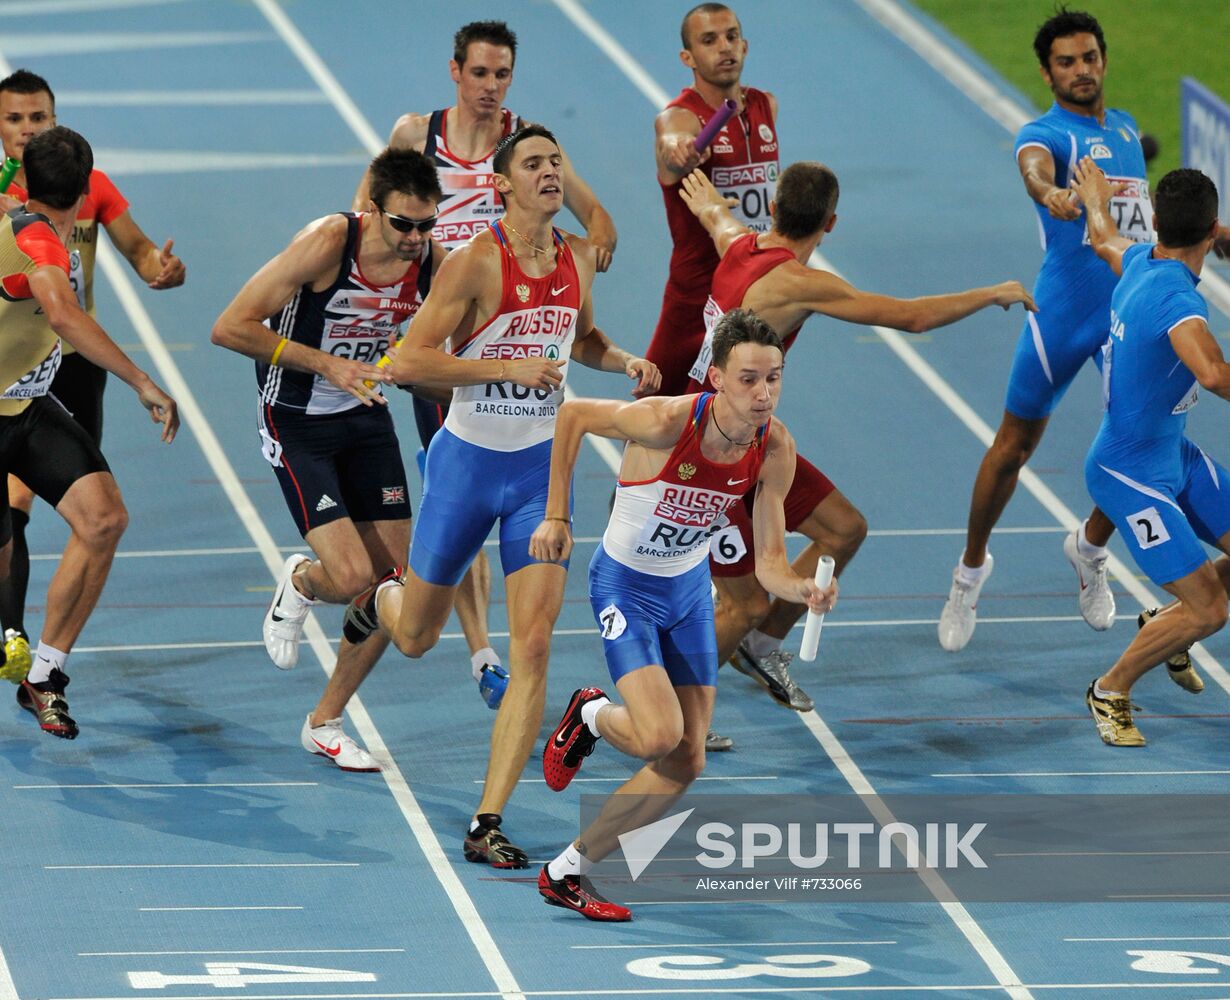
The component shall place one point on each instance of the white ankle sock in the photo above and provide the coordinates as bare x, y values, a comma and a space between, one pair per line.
1101, 692
570, 862
47, 658
589, 714
1086, 548
484, 657
761, 645
970, 574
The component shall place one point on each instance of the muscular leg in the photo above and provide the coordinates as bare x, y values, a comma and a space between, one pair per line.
414, 614
343, 566
1098, 528
742, 606
14, 586
995, 483
473, 601
96, 518
535, 595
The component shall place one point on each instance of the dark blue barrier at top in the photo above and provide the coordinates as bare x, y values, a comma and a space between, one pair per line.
1206, 137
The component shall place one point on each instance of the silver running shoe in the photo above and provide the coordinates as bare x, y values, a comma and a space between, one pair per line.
1096, 601
960, 614
772, 672
716, 743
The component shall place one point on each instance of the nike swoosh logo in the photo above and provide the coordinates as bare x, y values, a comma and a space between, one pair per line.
274, 616
736, 482
556, 291
331, 751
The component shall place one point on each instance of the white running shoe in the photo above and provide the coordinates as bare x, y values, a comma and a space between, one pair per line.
959, 616
285, 617
1097, 602
331, 742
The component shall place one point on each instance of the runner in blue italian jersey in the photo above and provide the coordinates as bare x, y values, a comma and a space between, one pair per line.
689, 460
1073, 296
461, 141
317, 319
514, 307
1162, 492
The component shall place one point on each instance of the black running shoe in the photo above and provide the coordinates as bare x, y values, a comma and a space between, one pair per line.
575, 892
360, 619
488, 845
571, 742
45, 701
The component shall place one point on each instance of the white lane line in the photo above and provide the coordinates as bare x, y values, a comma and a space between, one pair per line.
220, 864
231, 951
187, 784
965, 923
65, 43
480, 936
210, 909
1104, 854
193, 98
679, 946
622, 778
957, 71
937, 54
1147, 938
136, 162
1065, 774
27, 8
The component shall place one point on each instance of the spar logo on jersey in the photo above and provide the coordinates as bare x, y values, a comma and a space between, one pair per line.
516, 352
453, 234
751, 173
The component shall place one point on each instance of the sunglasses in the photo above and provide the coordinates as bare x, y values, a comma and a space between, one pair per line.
404, 225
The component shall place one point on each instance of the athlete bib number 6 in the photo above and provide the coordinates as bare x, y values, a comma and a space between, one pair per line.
727, 547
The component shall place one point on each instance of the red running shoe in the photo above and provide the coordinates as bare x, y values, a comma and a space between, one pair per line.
571, 742
573, 892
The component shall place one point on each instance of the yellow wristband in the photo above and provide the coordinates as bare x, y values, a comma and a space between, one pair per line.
277, 352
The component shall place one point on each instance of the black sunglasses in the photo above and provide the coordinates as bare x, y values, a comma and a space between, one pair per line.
403, 225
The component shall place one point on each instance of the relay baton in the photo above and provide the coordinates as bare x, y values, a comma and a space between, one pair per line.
811, 631
714, 125
384, 362
8, 172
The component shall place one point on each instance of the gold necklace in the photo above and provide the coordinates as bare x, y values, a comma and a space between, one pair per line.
521, 236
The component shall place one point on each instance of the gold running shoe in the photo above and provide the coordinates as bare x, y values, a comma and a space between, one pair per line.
16, 656
1113, 717
1180, 667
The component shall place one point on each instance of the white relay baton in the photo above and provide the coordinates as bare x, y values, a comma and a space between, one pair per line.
811, 631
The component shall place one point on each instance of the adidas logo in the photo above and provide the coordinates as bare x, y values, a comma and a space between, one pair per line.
326, 502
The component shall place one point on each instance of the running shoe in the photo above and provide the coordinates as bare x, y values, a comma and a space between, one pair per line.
1180, 667
45, 701
1096, 600
488, 845
360, 619
15, 663
571, 742
1113, 717
960, 614
575, 892
772, 672
492, 683
717, 743
285, 617
329, 741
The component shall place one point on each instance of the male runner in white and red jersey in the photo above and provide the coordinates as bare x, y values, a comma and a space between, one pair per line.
514, 304
317, 318
742, 161
39, 441
688, 462
28, 107
461, 141
767, 273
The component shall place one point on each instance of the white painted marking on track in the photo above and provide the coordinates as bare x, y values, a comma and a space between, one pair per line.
1222, 938
27, 8
220, 864
190, 98
1066, 774
623, 778
965, 923
232, 951
723, 944
196, 909
66, 43
134, 162
186, 784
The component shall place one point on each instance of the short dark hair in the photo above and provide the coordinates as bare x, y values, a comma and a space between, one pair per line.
504, 148
1186, 205
491, 32
700, 8
404, 170
1061, 24
805, 200
58, 164
22, 81
741, 326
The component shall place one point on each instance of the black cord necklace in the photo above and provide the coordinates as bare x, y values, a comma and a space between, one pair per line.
741, 444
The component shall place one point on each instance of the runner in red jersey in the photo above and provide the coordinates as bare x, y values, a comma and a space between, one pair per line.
767, 273
741, 161
461, 142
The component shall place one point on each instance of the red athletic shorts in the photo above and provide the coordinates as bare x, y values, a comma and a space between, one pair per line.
677, 340
732, 552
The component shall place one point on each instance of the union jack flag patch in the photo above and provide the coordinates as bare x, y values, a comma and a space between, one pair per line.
392, 494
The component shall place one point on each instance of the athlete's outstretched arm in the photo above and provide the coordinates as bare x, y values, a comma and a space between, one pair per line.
712, 210
675, 132
1095, 190
825, 293
50, 286
314, 253
1037, 167
157, 266
769, 528
594, 349
1199, 351
654, 423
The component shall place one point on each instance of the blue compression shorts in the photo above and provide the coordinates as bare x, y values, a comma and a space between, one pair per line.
1049, 353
